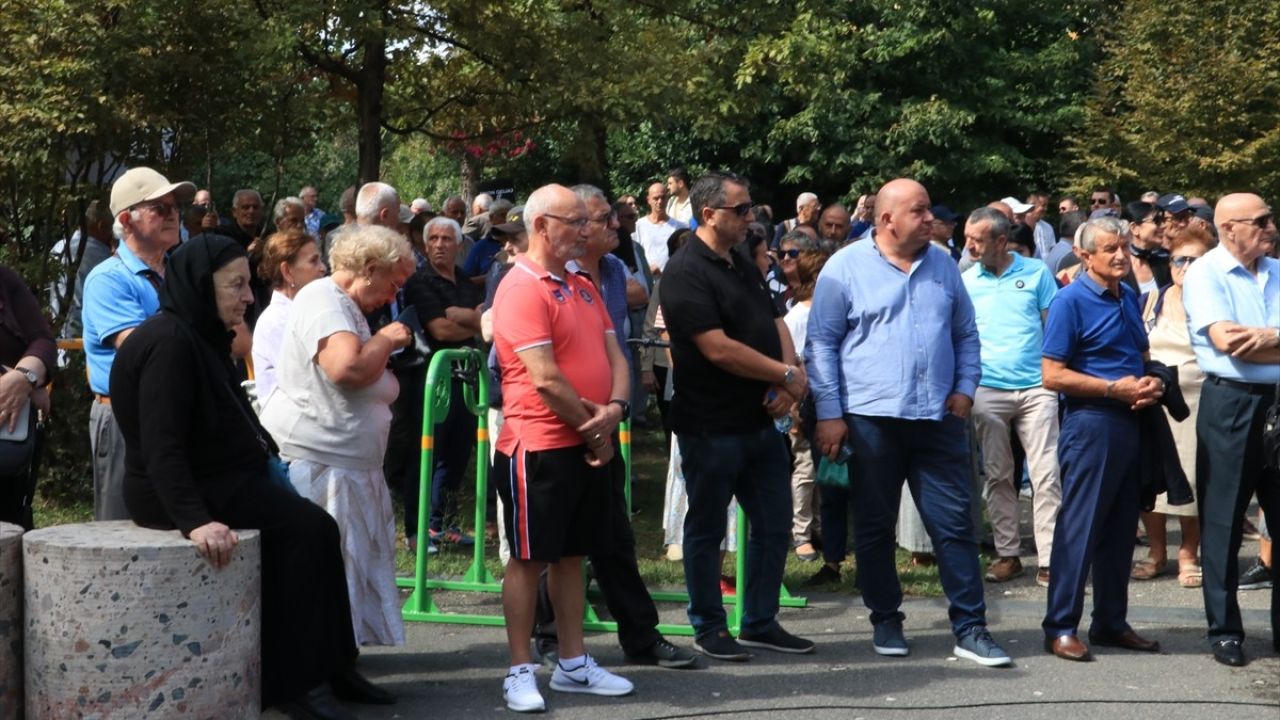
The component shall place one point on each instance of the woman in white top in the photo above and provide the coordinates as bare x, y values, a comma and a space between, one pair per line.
290, 260
331, 411
807, 264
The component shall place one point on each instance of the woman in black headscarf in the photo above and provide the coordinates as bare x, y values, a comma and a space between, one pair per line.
197, 460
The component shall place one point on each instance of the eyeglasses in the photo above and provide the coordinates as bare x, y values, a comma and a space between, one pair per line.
741, 209
1100, 201
1156, 220
601, 220
1180, 261
1261, 222
792, 253
163, 209
575, 223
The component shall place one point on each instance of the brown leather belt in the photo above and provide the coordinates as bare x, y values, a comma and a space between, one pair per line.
102, 399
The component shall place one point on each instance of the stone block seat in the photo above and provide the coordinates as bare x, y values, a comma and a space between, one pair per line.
10, 621
126, 622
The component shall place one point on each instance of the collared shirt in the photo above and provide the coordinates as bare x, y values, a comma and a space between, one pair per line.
119, 294
1095, 332
889, 343
702, 291
433, 294
312, 220
1045, 239
1008, 311
534, 308
1218, 288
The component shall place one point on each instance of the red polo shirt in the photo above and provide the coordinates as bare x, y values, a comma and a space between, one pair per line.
532, 308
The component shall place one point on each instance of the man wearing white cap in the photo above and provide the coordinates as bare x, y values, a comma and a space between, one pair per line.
120, 293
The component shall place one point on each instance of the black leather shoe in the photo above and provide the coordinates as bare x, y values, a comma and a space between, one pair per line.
351, 686
317, 704
1127, 640
1229, 652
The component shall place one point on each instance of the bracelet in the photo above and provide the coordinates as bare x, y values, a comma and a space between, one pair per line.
1110, 385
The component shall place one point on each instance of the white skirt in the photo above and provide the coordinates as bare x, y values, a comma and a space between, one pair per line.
359, 501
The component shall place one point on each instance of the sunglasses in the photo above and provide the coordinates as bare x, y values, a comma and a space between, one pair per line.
792, 253
741, 209
1261, 222
1100, 201
1156, 220
1180, 261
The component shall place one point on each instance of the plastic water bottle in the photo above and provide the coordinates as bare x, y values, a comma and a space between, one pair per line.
783, 423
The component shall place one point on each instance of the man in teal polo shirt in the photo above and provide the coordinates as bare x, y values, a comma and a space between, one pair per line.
120, 293
1011, 296
1232, 297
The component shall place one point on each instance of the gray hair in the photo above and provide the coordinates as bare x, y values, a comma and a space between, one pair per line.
997, 222
372, 198
1090, 231
804, 199
445, 221
801, 240
586, 192
453, 200
355, 246
235, 199
500, 208
540, 202
283, 204
483, 201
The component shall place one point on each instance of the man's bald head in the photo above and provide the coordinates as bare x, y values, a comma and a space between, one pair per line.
1003, 207
903, 218
1246, 227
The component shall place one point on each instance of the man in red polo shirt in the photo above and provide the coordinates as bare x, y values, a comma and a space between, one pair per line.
564, 387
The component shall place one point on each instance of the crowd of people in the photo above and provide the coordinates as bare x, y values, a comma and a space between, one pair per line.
1118, 368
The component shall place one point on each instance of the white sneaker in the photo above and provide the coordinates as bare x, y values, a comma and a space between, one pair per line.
591, 679
520, 690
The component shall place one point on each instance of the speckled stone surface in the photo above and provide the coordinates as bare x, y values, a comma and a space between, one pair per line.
128, 623
10, 622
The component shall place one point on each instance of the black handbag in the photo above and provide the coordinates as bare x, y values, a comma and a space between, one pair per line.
18, 448
1271, 434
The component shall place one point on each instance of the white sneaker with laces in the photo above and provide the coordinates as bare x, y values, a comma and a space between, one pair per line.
591, 679
520, 690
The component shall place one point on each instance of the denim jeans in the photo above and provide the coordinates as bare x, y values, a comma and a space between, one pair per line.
756, 468
933, 456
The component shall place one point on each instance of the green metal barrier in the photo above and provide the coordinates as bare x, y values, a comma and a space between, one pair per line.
421, 606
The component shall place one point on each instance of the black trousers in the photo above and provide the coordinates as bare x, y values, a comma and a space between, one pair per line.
618, 578
307, 636
1229, 471
402, 463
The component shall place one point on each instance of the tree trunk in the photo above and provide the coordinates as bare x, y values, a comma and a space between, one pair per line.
372, 81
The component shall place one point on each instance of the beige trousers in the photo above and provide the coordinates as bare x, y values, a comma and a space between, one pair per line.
804, 492
1033, 414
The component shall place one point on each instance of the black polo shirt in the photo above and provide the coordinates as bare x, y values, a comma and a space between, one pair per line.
431, 293
701, 291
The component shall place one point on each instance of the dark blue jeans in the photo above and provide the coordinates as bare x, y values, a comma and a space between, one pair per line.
933, 456
755, 467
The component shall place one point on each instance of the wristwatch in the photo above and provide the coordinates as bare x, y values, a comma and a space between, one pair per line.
626, 407
30, 375
789, 375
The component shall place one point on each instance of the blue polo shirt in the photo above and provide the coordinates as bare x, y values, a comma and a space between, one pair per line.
1008, 309
1094, 332
1218, 288
117, 296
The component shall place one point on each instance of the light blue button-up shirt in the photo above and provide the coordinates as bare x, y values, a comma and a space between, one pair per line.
1218, 288
889, 343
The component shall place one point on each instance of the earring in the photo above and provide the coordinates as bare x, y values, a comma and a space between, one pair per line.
368, 281
293, 286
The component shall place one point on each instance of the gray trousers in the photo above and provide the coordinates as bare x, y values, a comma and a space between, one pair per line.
107, 444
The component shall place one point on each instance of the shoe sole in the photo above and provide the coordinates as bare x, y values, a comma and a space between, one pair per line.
891, 651
587, 690
1256, 586
776, 648
984, 661
736, 657
527, 708
677, 664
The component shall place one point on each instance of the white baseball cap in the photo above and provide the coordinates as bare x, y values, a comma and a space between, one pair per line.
142, 184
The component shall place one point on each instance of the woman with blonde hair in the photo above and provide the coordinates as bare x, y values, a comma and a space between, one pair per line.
331, 411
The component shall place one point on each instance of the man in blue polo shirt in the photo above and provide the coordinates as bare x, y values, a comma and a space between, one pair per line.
1232, 297
1011, 296
1094, 345
894, 361
120, 293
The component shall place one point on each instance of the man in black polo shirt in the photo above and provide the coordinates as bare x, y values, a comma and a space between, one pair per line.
448, 306
734, 368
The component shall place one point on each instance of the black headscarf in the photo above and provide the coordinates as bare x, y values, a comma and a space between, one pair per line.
188, 292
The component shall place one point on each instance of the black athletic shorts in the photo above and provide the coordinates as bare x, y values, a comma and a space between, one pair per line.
555, 505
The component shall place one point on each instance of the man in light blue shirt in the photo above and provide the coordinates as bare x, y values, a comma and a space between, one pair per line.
120, 293
893, 362
1232, 298
1011, 296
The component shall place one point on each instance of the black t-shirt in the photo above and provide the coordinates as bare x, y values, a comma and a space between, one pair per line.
432, 293
701, 291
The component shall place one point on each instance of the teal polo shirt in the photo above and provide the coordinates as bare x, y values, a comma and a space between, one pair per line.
120, 293
1008, 313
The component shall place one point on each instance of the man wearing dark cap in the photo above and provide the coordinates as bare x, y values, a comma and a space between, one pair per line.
1177, 214
120, 293
944, 228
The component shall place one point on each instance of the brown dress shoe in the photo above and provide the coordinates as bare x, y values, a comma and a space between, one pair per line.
1128, 640
1068, 647
1004, 569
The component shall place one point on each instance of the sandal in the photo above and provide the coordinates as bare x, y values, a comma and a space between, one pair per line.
1147, 569
1190, 575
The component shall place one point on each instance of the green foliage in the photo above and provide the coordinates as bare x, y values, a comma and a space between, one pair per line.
1188, 100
